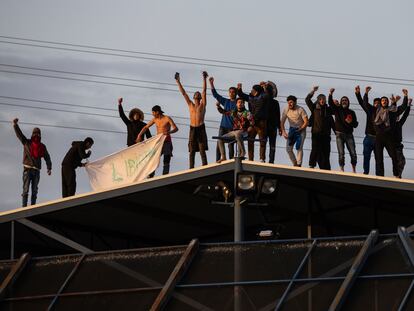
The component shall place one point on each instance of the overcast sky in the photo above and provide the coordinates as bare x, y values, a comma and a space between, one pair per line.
370, 38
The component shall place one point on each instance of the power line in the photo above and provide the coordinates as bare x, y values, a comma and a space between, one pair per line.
211, 65
123, 132
203, 59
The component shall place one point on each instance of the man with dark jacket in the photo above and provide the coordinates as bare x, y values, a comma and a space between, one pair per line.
273, 119
258, 101
33, 152
385, 119
134, 123
72, 160
226, 124
345, 122
370, 134
321, 122
398, 139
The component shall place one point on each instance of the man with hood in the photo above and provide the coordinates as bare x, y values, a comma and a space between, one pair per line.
71, 161
258, 101
273, 119
134, 123
33, 152
370, 134
385, 119
242, 121
226, 124
321, 122
197, 141
345, 122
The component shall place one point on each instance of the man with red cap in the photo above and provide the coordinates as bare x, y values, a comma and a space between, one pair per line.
33, 152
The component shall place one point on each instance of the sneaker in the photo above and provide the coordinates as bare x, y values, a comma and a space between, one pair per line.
221, 160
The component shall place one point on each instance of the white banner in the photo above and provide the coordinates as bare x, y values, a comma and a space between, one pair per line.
129, 165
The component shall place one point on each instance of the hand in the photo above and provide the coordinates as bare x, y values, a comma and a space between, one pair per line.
348, 119
285, 135
211, 80
262, 84
15, 120
397, 98
120, 101
405, 92
138, 139
89, 153
177, 76
410, 100
315, 88
336, 102
49, 172
367, 89
205, 74
331, 91
239, 86
166, 132
357, 89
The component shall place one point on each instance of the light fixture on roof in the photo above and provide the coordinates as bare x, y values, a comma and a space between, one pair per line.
269, 186
246, 182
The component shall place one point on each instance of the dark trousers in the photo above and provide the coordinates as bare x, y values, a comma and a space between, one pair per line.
166, 164
31, 177
203, 156
385, 140
369, 146
271, 136
223, 131
400, 158
321, 150
68, 181
258, 129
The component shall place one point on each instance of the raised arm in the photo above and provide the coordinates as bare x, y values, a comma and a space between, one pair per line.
406, 113
122, 113
404, 105
204, 91
311, 105
182, 91
216, 95
240, 93
334, 104
18, 131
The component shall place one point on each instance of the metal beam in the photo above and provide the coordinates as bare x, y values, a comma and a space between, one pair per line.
177, 274
65, 283
13, 274
408, 245
298, 270
55, 236
353, 272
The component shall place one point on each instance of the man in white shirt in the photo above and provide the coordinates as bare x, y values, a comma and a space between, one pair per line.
298, 121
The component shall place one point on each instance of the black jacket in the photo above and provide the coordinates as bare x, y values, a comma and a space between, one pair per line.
321, 117
75, 155
393, 116
370, 111
399, 124
27, 158
341, 114
133, 127
258, 105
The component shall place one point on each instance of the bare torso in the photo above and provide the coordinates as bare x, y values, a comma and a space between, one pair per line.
197, 113
163, 124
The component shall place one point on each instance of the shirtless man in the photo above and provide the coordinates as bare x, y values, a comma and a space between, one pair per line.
165, 125
198, 136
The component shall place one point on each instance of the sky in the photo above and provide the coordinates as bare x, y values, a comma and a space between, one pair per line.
363, 39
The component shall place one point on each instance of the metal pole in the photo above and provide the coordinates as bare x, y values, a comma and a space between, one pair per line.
238, 211
12, 237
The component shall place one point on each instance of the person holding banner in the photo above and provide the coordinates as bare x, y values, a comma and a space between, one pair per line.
165, 125
197, 142
72, 160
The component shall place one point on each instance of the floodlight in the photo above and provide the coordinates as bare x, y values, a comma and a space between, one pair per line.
269, 186
246, 182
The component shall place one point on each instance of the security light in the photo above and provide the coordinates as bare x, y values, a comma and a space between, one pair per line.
269, 186
246, 182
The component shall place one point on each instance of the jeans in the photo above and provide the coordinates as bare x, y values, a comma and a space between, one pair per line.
222, 132
343, 139
238, 135
258, 129
30, 176
369, 146
296, 160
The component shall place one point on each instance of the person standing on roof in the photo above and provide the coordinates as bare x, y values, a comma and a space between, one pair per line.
134, 123
298, 121
226, 125
71, 161
165, 125
345, 122
197, 141
33, 152
273, 119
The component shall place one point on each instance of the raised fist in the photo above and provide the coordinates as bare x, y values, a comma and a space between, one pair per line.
357, 89
315, 88
367, 89
211, 80
120, 101
331, 91
239, 86
205, 74
405, 92
177, 76
15, 120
